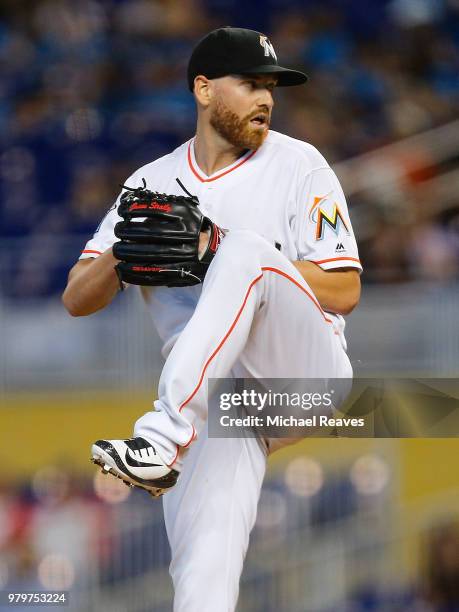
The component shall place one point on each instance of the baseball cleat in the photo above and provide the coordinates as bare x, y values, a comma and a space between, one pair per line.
136, 462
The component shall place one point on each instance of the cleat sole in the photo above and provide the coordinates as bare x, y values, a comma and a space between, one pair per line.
106, 468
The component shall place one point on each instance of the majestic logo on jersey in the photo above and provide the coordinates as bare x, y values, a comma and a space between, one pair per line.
267, 46
324, 215
340, 248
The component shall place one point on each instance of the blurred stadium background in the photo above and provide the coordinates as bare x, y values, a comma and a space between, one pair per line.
89, 91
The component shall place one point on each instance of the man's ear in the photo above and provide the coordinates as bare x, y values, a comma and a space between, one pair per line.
203, 90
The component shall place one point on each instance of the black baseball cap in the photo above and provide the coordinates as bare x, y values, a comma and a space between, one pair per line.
238, 51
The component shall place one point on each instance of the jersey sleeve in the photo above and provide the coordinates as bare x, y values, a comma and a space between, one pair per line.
104, 236
324, 233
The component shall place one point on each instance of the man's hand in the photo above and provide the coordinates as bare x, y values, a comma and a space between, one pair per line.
204, 239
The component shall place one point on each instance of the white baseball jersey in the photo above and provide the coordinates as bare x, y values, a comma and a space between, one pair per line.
256, 318
285, 191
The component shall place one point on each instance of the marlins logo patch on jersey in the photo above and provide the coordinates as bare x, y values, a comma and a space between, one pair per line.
326, 214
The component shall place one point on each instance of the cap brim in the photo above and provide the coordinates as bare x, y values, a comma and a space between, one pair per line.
285, 76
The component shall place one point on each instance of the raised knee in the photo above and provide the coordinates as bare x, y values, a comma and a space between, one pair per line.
243, 246
244, 237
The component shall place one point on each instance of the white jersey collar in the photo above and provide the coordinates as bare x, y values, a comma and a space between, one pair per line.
199, 174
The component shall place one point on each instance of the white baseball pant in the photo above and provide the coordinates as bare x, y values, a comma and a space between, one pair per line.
258, 314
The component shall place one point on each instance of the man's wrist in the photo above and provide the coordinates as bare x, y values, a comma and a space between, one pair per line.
204, 238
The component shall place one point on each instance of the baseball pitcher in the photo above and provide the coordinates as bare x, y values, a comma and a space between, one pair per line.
242, 244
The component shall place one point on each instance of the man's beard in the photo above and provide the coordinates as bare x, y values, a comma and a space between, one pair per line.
235, 130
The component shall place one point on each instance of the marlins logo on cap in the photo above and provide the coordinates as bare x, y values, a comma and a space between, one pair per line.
267, 46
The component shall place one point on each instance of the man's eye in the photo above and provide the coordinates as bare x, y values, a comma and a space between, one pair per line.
252, 84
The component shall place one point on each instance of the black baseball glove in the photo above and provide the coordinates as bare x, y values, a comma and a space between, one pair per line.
159, 239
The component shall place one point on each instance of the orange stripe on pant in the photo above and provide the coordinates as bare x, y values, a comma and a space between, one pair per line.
228, 333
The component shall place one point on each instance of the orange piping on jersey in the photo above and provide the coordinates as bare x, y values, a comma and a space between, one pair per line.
321, 261
90, 251
233, 325
214, 178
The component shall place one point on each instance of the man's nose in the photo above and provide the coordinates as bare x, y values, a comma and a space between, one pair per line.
266, 99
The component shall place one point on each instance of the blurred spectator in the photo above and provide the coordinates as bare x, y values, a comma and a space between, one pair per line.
442, 568
91, 90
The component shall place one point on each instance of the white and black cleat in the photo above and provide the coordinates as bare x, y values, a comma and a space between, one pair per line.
136, 462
